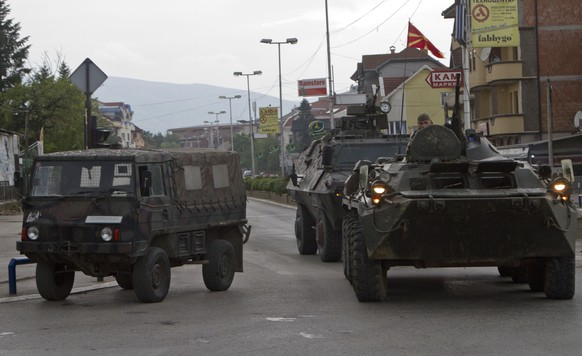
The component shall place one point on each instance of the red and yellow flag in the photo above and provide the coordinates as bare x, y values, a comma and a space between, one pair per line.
417, 40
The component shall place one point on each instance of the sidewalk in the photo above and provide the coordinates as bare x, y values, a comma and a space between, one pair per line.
10, 226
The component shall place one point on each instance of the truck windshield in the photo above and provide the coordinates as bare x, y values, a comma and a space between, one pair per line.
73, 178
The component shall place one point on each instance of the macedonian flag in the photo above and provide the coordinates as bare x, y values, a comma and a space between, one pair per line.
417, 40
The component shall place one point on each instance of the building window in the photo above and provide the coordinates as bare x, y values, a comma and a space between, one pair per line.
514, 100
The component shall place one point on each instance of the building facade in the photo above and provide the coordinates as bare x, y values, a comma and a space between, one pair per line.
517, 91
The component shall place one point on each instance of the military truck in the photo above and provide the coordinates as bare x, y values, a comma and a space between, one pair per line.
455, 201
134, 214
318, 177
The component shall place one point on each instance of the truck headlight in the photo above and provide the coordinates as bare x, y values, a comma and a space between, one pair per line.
32, 233
561, 187
107, 234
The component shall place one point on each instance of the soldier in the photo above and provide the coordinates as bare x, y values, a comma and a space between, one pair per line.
423, 121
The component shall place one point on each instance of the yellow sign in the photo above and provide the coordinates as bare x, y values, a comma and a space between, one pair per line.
268, 120
494, 23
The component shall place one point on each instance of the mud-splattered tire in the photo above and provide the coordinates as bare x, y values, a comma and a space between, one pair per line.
368, 276
536, 276
151, 276
560, 277
329, 242
348, 222
218, 273
54, 281
124, 280
304, 232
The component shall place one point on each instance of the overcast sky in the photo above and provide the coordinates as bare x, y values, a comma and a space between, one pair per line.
191, 41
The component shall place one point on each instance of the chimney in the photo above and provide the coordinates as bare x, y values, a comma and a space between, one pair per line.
392, 49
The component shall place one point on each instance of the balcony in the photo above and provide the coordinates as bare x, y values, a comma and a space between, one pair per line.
500, 124
508, 71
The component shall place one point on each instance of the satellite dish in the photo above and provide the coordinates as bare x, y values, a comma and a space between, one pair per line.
485, 52
577, 119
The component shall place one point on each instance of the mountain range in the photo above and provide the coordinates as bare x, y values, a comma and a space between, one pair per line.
158, 107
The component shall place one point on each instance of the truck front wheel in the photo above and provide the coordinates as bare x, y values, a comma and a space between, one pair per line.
124, 280
218, 273
151, 276
54, 281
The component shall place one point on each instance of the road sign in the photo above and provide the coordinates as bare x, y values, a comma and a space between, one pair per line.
312, 87
444, 78
88, 77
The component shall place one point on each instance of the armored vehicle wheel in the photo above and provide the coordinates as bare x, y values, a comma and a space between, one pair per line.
124, 280
151, 276
218, 273
54, 281
536, 276
304, 233
368, 276
560, 277
329, 242
504, 271
347, 224
518, 274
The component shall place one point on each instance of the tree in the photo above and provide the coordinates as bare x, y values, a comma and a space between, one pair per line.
13, 50
300, 126
57, 106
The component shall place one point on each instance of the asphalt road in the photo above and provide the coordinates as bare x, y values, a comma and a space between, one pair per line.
287, 304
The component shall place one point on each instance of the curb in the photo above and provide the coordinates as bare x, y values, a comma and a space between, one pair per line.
78, 290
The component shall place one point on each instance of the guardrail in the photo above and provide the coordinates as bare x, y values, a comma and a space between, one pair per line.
12, 271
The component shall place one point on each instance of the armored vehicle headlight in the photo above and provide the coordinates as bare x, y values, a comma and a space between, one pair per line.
32, 233
379, 187
107, 234
561, 187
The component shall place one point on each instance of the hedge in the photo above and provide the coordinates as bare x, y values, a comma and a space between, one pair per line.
268, 184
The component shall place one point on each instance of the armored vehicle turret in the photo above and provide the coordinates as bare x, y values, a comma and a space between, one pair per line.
317, 182
455, 201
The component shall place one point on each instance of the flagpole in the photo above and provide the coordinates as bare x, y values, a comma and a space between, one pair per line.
402, 103
466, 48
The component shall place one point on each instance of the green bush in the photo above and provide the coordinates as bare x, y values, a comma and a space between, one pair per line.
268, 184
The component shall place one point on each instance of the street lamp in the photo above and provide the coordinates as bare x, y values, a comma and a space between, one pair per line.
230, 110
238, 74
214, 122
287, 41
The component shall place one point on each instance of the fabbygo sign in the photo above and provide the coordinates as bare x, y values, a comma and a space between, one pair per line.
312, 87
444, 78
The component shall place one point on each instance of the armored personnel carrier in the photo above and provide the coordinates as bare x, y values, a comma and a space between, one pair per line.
134, 214
455, 201
317, 181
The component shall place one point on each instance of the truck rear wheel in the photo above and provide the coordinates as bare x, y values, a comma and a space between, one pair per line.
218, 273
54, 281
151, 276
368, 276
329, 242
304, 232
560, 277
124, 280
